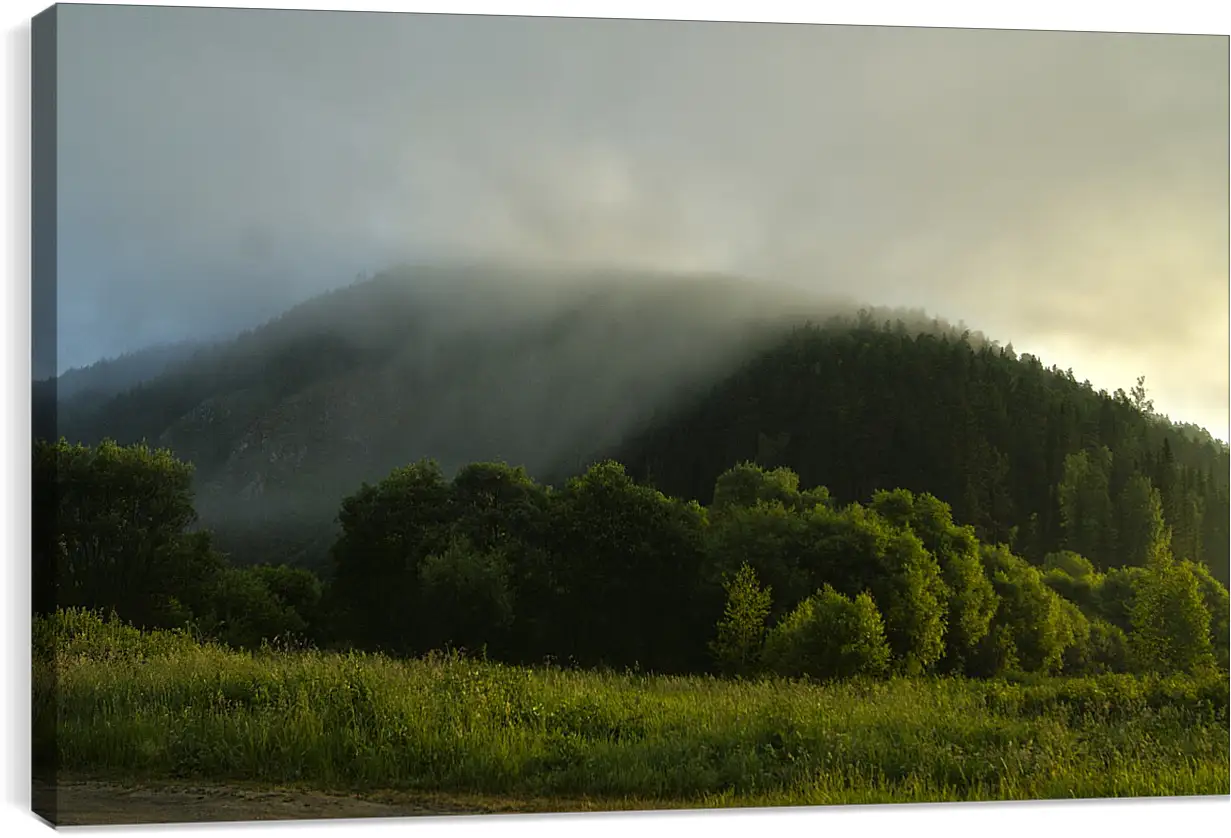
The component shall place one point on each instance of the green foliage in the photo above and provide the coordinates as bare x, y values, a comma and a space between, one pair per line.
1138, 395
747, 484
741, 632
246, 612
630, 559
968, 594
496, 505
768, 538
1143, 531
984, 429
111, 530
1214, 595
612, 573
855, 549
829, 636
466, 600
293, 587
75, 634
1101, 648
1085, 504
1115, 594
1032, 627
609, 572
387, 530
1082, 590
1169, 619
1073, 565
914, 605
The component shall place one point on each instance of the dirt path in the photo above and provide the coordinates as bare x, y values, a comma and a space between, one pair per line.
87, 802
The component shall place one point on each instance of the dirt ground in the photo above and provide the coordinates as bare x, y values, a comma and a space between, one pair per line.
90, 802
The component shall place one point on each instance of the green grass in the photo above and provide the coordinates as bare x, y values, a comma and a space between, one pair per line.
158, 706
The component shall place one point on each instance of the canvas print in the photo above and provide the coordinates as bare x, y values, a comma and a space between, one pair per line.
441, 414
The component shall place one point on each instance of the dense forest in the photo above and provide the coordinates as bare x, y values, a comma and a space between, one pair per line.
606, 572
1027, 455
700, 482
676, 379
81, 391
461, 365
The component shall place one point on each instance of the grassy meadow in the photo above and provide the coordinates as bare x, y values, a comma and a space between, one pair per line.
124, 704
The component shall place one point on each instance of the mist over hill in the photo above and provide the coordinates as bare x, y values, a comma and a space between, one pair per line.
112, 376
551, 368
536, 366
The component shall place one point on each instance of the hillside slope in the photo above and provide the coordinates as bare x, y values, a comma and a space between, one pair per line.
461, 364
879, 406
678, 376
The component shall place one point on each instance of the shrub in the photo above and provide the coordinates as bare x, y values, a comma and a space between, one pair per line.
829, 636
246, 613
1171, 625
1100, 650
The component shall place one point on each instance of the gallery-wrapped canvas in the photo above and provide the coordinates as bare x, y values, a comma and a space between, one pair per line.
459, 414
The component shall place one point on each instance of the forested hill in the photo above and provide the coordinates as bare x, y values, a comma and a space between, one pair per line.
1028, 455
113, 376
81, 390
460, 364
678, 377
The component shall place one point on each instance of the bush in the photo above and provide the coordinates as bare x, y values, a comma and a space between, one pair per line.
1081, 590
857, 550
1171, 625
246, 613
1115, 593
300, 591
829, 636
1036, 625
1101, 650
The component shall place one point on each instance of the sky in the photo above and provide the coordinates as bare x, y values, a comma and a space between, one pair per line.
1065, 192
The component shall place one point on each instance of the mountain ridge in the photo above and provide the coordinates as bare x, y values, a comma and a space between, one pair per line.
546, 369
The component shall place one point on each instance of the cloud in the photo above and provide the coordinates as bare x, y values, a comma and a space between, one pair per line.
1053, 189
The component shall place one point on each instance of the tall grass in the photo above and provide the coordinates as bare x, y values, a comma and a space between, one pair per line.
161, 705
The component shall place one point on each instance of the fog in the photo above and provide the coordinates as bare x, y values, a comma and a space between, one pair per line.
1066, 192
543, 367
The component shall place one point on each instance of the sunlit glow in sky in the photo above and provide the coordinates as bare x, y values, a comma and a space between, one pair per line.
1066, 192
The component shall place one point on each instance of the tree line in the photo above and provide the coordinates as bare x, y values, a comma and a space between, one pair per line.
1027, 455
606, 571
862, 403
